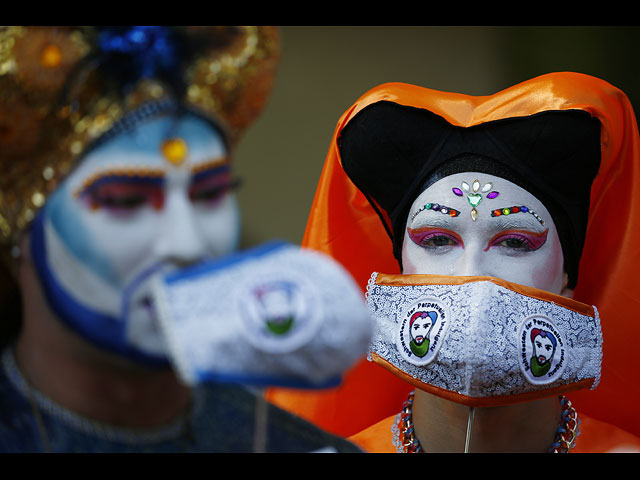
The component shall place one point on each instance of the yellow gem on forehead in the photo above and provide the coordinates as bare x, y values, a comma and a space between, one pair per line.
175, 150
51, 56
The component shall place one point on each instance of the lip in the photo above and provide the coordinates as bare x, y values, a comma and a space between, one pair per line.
142, 300
146, 303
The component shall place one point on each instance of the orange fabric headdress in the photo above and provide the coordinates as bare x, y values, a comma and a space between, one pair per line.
344, 225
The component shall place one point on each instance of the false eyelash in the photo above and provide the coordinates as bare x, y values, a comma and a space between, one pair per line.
533, 241
428, 234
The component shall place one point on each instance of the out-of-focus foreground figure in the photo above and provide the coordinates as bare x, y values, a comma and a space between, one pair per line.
115, 161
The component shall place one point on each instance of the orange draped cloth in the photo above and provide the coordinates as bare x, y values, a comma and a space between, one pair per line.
343, 224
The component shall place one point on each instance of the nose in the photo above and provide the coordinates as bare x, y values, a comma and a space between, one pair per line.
179, 238
472, 263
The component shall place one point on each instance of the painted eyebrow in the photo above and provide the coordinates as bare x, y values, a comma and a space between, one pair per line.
440, 221
122, 174
512, 222
149, 174
211, 167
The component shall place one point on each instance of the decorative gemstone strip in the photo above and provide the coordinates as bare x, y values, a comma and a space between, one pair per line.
436, 207
516, 209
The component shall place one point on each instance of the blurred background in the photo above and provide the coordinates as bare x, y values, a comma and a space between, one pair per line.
324, 69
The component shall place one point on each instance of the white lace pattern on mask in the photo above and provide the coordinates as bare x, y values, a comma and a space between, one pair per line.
480, 354
216, 325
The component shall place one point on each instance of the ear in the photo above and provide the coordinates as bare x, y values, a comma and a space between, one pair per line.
566, 292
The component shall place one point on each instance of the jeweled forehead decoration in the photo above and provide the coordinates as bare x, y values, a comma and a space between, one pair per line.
175, 150
499, 212
63, 88
436, 207
473, 197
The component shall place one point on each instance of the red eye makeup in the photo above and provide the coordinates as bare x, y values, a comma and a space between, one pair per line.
429, 237
519, 240
210, 185
122, 191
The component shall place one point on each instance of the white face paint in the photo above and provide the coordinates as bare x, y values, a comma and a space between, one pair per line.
126, 210
515, 247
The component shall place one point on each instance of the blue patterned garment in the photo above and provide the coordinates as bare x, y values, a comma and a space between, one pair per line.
221, 420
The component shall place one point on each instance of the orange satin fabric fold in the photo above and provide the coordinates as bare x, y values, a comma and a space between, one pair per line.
344, 225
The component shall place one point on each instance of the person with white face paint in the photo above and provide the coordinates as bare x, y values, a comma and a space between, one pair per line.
495, 208
115, 167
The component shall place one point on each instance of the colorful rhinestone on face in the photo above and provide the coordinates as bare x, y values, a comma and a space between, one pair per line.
473, 197
436, 207
516, 209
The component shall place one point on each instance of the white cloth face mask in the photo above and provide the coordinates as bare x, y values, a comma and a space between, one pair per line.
273, 315
482, 341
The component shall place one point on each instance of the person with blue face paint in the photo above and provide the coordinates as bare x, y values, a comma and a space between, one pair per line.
116, 151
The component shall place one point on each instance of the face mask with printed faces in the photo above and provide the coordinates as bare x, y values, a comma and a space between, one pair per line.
482, 341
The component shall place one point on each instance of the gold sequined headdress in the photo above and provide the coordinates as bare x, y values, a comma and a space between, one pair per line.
63, 88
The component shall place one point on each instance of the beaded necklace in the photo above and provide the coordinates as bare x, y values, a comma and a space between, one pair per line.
566, 434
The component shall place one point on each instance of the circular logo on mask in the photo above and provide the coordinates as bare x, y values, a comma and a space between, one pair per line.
422, 329
280, 312
543, 352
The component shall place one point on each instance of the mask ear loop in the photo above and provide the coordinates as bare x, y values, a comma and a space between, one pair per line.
467, 442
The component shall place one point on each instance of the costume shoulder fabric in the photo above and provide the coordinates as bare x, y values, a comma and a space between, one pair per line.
222, 420
344, 224
379, 437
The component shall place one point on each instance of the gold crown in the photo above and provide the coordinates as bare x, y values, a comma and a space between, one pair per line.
55, 101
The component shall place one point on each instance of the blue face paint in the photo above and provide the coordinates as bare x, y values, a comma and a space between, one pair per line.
95, 266
61, 211
106, 331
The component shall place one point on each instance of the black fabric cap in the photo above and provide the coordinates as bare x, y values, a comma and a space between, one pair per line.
392, 152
